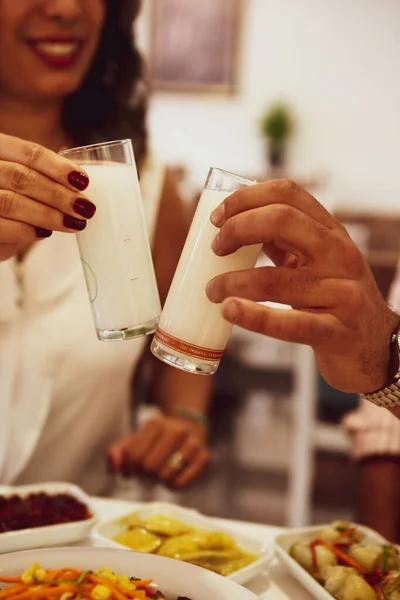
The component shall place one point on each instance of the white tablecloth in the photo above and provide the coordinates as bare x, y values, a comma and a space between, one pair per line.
277, 584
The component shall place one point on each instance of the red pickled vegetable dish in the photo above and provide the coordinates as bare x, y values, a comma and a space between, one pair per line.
39, 510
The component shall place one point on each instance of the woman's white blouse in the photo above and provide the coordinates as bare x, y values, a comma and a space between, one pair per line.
64, 395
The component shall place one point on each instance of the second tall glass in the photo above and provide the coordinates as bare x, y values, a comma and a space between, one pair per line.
192, 333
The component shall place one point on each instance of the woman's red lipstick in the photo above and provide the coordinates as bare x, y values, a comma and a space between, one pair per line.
57, 53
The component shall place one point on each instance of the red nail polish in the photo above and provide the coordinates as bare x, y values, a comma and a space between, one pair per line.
79, 180
42, 233
72, 223
85, 208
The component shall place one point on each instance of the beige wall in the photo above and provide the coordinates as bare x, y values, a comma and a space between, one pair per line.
338, 63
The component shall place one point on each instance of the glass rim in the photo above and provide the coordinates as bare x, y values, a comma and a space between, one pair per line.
90, 147
225, 173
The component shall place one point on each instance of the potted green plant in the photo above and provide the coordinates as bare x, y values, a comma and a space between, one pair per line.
277, 126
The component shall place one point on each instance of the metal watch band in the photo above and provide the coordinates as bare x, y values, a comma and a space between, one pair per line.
387, 397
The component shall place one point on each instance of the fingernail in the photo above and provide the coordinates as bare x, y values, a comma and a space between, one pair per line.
85, 208
231, 311
215, 244
79, 180
72, 223
218, 216
42, 233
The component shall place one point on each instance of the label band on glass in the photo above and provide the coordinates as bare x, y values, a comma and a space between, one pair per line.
187, 348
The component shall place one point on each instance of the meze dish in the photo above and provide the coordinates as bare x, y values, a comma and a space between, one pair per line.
40, 509
75, 584
350, 567
167, 536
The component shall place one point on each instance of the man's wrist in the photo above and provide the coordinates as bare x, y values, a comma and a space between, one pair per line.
388, 395
383, 361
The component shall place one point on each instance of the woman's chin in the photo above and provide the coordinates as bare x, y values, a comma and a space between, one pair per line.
56, 88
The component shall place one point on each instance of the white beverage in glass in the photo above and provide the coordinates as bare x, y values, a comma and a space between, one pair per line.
114, 246
192, 333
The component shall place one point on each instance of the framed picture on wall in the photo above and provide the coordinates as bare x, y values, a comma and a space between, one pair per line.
194, 44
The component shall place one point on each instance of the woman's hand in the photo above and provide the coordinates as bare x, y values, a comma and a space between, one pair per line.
38, 194
173, 449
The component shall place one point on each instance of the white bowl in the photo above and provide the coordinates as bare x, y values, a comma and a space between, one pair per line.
174, 578
284, 541
51, 535
103, 534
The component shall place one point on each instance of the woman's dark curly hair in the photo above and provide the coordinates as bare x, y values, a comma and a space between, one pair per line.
112, 100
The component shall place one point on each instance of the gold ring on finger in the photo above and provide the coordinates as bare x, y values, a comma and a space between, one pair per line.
177, 461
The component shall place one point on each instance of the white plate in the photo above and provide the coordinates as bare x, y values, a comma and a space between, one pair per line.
103, 534
51, 535
284, 541
173, 577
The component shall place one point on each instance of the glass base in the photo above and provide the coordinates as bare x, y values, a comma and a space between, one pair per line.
180, 361
127, 333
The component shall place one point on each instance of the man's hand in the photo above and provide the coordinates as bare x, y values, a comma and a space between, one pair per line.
172, 449
336, 305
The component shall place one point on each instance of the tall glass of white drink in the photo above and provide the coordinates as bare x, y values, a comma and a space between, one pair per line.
114, 247
192, 334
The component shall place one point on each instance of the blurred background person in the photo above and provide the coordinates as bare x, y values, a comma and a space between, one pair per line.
375, 445
70, 74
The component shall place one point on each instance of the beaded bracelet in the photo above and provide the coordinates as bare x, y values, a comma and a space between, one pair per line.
180, 411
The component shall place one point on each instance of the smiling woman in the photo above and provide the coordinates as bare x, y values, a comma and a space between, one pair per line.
52, 56
70, 74
69, 55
